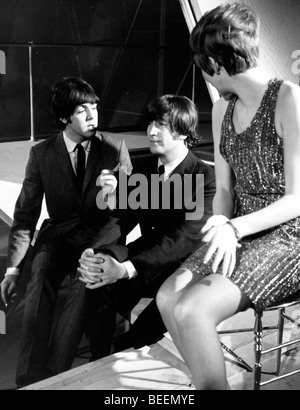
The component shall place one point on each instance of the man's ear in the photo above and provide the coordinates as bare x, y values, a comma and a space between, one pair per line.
179, 137
64, 120
215, 66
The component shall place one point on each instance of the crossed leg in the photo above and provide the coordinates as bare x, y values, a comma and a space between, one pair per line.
192, 306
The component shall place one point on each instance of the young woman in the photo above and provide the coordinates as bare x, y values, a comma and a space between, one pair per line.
252, 243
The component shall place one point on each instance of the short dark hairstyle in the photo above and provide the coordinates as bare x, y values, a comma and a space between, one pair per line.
230, 35
181, 114
67, 94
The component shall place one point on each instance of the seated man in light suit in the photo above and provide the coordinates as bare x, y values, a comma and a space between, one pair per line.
65, 169
169, 236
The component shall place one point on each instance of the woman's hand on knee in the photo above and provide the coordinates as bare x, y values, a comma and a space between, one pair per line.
213, 221
222, 249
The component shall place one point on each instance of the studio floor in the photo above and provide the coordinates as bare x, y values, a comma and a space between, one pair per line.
157, 367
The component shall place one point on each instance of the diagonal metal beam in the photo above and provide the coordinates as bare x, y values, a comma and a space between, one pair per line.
193, 10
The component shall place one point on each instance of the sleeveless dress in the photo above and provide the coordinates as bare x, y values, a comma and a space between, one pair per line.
268, 264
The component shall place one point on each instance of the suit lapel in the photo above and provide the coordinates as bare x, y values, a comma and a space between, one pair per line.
64, 160
153, 168
185, 166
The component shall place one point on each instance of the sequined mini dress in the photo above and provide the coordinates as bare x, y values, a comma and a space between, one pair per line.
268, 264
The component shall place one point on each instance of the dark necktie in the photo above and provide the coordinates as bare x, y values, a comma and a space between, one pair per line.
161, 170
80, 168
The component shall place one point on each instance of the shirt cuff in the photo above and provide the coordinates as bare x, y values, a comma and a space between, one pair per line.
12, 271
132, 273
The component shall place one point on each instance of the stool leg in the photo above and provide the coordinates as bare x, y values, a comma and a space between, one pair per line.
257, 349
280, 339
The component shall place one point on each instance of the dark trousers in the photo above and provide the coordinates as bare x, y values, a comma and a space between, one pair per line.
102, 308
45, 350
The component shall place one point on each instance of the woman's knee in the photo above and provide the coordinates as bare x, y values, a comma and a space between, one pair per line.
172, 289
194, 308
211, 301
164, 298
185, 311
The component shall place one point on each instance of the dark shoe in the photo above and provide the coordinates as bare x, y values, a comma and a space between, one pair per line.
99, 349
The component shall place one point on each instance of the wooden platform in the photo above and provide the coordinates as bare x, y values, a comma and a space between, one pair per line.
151, 368
160, 366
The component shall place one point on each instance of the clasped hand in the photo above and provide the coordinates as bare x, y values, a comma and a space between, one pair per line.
223, 244
99, 270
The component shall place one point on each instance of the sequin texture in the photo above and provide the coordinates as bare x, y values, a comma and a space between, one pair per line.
268, 264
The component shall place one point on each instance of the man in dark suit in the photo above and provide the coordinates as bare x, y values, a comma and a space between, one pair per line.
65, 169
169, 235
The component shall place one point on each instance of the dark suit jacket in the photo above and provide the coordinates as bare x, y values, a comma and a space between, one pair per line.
49, 172
168, 238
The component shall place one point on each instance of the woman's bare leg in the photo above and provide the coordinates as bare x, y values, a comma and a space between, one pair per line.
167, 298
198, 308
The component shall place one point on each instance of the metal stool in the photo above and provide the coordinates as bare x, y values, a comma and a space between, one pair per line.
259, 352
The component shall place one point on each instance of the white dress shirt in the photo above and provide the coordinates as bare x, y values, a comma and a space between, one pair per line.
171, 166
71, 148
